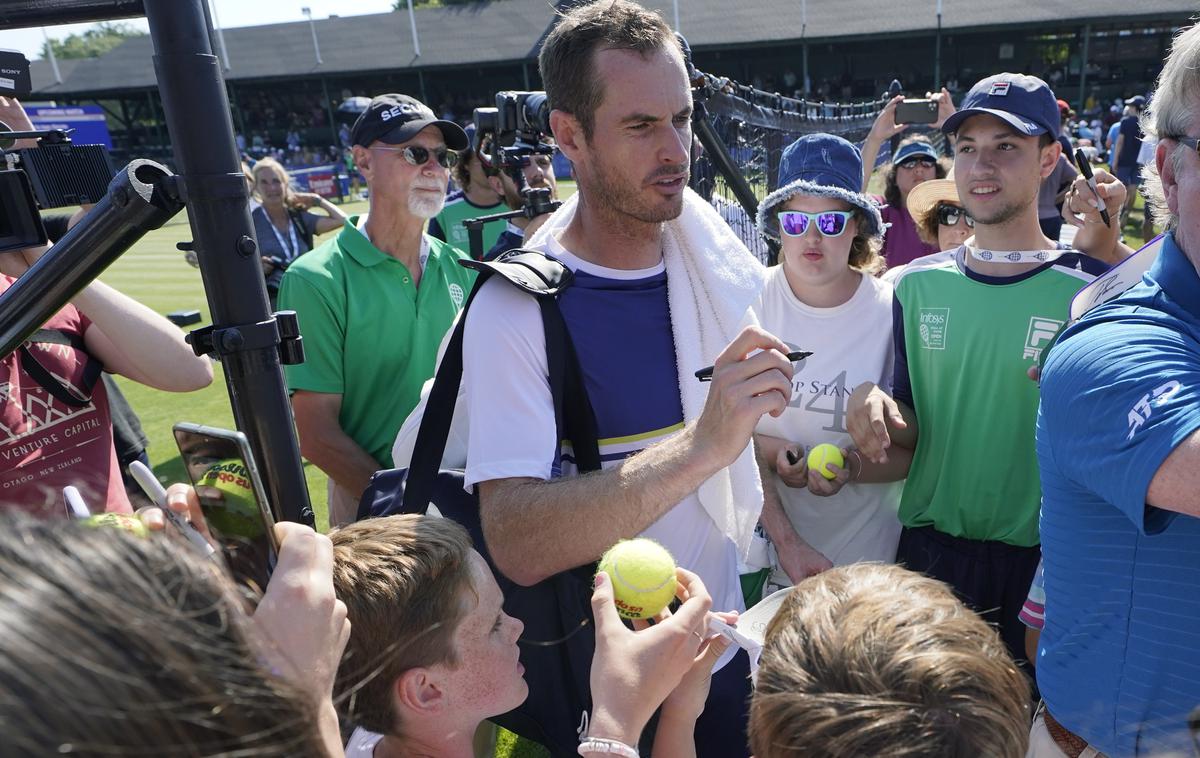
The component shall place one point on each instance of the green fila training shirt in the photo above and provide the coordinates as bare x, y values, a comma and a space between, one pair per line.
448, 226
369, 334
963, 344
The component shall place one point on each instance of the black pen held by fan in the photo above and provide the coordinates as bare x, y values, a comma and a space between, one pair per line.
705, 374
1085, 168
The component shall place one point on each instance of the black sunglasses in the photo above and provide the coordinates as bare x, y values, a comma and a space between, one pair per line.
948, 215
419, 156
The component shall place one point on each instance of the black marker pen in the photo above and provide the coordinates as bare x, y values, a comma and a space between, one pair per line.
705, 374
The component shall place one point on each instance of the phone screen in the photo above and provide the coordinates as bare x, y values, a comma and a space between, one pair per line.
221, 468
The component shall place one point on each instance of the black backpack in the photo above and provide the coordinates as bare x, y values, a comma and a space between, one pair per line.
558, 641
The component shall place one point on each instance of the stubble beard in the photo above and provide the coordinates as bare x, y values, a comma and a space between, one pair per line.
611, 193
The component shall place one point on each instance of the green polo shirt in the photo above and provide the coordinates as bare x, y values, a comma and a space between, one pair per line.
369, 334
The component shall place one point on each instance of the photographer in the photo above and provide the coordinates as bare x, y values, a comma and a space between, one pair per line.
538, 171
474, 197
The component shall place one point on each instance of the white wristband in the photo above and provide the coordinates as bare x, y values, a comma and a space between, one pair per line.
599, 745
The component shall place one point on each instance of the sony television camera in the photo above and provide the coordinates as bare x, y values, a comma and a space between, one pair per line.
509, 134
56, 173
506, 138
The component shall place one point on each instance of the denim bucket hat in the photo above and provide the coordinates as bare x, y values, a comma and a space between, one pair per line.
822, 165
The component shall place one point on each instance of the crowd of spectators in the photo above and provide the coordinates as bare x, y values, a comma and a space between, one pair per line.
1001, 462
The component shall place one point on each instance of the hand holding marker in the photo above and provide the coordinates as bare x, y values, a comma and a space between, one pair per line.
705, 374
1085, 168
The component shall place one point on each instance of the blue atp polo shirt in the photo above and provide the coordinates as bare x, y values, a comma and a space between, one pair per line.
1119, 658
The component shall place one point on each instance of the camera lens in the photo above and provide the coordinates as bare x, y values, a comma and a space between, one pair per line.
537, 111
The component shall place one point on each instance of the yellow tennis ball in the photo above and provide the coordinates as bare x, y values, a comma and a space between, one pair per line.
131, 524
643, 577
822, 455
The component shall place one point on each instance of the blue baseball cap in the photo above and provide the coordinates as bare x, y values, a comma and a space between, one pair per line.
1024, 102
823, 165
913, 150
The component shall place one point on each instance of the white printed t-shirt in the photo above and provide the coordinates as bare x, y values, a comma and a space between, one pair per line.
850, 343
620, 325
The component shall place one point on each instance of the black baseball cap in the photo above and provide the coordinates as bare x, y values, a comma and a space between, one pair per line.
395, 119
1024, 102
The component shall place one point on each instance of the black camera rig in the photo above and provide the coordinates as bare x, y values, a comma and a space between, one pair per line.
506, 138
56, 173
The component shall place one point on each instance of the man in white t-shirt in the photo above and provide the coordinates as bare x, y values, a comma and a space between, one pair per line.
630, 150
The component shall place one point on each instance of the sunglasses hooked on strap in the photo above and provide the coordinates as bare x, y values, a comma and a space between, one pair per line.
829, 223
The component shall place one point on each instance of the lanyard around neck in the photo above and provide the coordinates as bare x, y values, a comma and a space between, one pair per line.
1013, 256
291, 250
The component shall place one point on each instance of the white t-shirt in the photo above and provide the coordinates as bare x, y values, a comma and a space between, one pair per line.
512, 429
851, 344
362, 743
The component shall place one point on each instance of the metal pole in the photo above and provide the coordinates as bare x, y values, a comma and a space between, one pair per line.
329, 113
220, 38
804, 43
1083, 63
937, 51
412, 20
244, 333
675, 3
53, 57
312, 27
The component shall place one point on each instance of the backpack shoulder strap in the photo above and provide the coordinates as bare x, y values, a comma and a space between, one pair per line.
544, 278
47, 381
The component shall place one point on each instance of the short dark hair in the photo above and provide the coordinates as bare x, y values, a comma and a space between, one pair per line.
462, 169
567, 59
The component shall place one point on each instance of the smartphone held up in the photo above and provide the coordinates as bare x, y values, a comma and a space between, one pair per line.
916, 112
222, 469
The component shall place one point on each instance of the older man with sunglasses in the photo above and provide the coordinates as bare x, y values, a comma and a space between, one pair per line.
375, 301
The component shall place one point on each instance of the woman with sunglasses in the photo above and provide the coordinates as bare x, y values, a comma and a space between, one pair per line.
939, 215
283, 222
914, 161
823, 297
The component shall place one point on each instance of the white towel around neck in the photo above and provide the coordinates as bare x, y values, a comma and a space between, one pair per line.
712, 280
